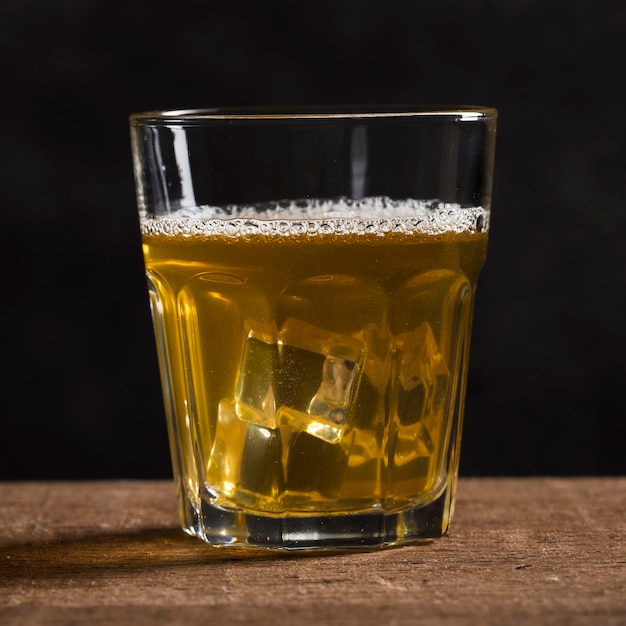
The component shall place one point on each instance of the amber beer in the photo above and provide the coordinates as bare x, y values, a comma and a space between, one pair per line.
314, 365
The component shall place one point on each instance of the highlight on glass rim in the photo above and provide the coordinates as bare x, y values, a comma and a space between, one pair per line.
311, 275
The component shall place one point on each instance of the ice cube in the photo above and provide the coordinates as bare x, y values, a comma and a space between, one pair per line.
423, 375
245, 462
412, 465
318, 372
419, 411
361, 479
438, 297
254, 395
313, 466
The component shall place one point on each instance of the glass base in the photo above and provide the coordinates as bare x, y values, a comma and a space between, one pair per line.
366, 531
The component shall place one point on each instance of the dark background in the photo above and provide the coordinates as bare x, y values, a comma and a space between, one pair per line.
80, 388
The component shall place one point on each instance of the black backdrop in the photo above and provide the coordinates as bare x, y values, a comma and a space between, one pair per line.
80, 389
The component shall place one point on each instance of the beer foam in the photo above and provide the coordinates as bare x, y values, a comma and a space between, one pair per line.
343, 216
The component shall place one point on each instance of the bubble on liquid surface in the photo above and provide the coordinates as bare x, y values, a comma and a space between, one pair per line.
342, 216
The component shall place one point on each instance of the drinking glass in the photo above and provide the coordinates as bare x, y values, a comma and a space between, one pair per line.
311, 275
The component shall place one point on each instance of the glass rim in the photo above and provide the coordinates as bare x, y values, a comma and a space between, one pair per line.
470, 113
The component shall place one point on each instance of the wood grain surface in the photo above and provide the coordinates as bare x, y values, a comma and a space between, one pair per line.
520, 551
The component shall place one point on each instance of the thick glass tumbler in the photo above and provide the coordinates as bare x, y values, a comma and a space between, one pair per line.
311, 276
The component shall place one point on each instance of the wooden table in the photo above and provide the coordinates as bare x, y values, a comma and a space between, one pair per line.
520, 551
